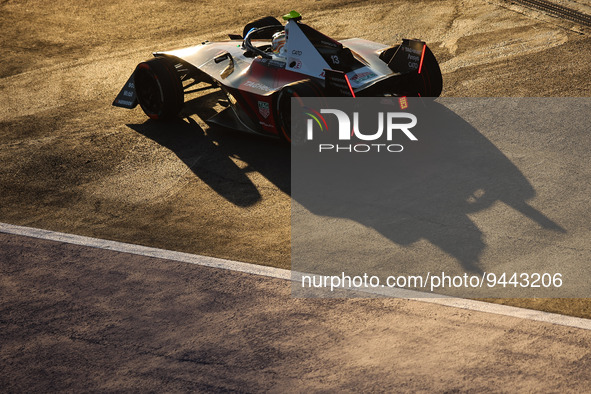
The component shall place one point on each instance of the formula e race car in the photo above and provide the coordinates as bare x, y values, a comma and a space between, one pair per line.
262, 69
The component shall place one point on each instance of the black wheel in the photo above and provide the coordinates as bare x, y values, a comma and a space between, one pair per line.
299, 89
430, 79
159, 89
266, 21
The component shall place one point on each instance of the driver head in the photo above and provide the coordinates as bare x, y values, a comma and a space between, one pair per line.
278, 44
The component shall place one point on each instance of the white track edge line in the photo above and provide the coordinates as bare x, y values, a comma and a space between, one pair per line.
278, 273
146, 251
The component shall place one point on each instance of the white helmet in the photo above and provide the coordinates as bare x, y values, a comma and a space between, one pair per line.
278, 44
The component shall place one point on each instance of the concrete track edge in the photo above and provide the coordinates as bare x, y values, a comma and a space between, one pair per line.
279, 273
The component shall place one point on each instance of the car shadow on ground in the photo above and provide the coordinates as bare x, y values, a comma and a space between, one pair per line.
223, 158
426, 193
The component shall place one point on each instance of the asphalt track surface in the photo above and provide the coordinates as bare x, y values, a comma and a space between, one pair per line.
73, 319
85, 319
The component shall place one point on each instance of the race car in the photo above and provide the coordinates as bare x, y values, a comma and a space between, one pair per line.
262, 69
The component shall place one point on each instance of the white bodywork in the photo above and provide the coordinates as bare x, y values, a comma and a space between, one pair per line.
301, 57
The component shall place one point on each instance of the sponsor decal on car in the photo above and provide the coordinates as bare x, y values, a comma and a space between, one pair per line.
273, 63
361, 77
264, 124
403, 101
264, 109
329, 44
127, 96
257, 85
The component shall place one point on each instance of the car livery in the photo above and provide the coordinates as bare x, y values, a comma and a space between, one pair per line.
259, 81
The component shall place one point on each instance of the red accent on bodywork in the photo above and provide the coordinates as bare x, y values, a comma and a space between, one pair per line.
273, 78
349, 84
422, 57
250, 103
260, 74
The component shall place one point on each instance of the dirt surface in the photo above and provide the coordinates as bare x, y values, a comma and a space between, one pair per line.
73, 163
78, 319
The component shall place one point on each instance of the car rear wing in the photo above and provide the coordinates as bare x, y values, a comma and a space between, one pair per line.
406, 61
408, 57
336, 84
415, 72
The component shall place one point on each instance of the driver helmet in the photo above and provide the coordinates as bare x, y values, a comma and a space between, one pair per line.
278, 43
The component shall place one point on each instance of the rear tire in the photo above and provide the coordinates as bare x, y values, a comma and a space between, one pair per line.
159, 89
299, 89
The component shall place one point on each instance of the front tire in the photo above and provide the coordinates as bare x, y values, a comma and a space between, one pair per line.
159, 89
